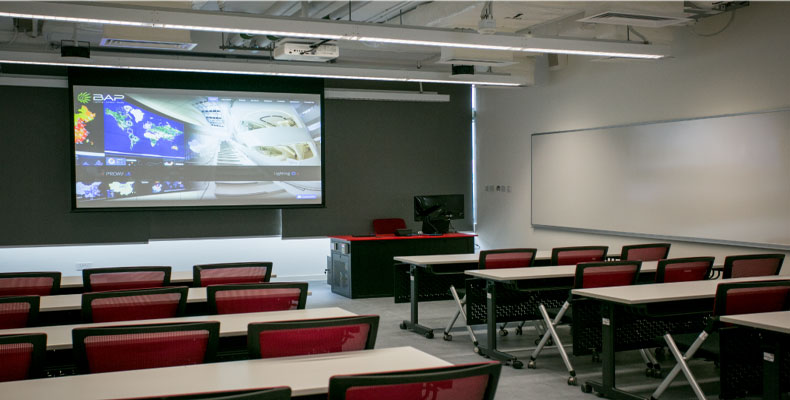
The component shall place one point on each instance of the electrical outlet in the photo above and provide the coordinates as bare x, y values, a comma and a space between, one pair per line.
83, 265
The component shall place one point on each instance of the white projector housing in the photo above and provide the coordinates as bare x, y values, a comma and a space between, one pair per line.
296, 51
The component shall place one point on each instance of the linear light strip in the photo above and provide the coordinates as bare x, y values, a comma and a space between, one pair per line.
266, 73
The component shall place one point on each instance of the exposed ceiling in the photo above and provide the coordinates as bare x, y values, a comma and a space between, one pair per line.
39, 39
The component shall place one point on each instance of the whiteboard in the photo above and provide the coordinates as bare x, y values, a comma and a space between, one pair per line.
723, 179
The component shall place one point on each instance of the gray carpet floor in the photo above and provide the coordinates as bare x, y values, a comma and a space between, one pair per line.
548, 381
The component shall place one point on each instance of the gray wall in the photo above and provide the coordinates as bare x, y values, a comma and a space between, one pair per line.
380, 154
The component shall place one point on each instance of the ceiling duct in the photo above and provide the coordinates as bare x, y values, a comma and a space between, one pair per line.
146, 38
634, 19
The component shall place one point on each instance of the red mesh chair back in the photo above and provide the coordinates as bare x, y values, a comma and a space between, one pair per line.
460, 382
124, 278
579, 254
388, 225
751, 297
234, 299
227, 273
279, 393
752, 265
645, 252
684, 269
507, 258
18, 311
315, 336
29, 283
22, 356
605, 274
120, 348
130, 305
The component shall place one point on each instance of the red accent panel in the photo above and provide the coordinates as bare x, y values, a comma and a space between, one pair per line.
14, 315
614, 275
304, 341
469, 388
755, 267
757, 300
508, 260
130, 308
145, 350
24, 286
221, 276
257, 300
388, 225
573, 257
15, 360
127, 280
690, 271
350, 238
646, 254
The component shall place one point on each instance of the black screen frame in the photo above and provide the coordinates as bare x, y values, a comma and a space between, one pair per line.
444, 200
191, 81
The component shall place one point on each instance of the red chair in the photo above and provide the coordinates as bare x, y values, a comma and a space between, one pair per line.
315, 336
18, 311
22, 356
458, 382
383, 226
130, 305
247, 298
225, 273
280, 393
645, 252
752, 265
578, 254
489, 259
684, 269
588, 275
731, 298
124, 278
121, 348
29, 283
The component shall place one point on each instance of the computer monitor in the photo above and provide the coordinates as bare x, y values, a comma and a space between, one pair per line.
436, 211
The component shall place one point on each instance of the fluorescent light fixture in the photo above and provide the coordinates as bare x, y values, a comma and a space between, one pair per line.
384, 95
319, 29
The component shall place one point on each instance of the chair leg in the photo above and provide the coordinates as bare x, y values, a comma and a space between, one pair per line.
653, 367
553, 334
460, 303
681, 366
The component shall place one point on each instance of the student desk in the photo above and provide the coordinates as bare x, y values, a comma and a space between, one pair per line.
772, 346
306, 375
73, 283
633, 316
524, 289
443, 270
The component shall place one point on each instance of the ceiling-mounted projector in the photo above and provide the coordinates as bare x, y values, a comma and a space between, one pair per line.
305, 51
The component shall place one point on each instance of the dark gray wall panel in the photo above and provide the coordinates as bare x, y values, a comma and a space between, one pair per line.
379, 154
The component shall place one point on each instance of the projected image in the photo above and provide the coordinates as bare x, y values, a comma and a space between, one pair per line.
155, 147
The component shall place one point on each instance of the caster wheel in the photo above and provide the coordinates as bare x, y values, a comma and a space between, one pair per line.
657, 373
402, 325
518, 364
571, 381
586, 388
448, 337
532, 364
537, 341
649, 372
502, 332
429, 335
477, 350
596, 358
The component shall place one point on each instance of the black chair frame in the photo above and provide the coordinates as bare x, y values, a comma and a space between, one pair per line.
39, 342
35, 306
555, 251
339, 385
730, 260
86, 273
211, 291
56, 278
254, 329
627, 248
662, 265
87, 298
197, 268
78, 336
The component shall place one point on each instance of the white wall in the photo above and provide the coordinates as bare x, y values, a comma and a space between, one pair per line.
294, 259
745, 68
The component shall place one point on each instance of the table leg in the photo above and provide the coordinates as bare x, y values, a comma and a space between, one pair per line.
490, 349
414, 325
772, 370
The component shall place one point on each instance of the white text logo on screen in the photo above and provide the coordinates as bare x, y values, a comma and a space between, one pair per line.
98, 97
